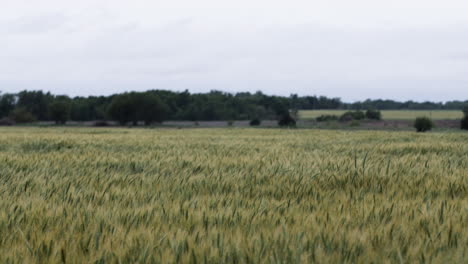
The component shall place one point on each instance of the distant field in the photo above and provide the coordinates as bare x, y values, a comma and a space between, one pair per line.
111, 195
391, 114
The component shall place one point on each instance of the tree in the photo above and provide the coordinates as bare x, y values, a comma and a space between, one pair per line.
7, 104
373, 114
464, 121
35, 102
122, 108
287, 121
465, 110
255, 122
21, 115
352, 115
150, 108
59, 111
136, 107
326, 118
423, 124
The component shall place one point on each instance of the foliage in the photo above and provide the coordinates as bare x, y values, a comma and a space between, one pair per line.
464, 121
423, 124
373, 114
215, 105
7, 104
326, 118
391, 114
408, 105
36, 103
465, 110
136, 107
255, 122
59, 111
21, 115
99, 195
287, 121
352, 115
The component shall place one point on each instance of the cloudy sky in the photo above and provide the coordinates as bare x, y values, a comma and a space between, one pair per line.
399, 49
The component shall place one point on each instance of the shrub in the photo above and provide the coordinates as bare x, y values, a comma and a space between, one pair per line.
287, 121
423, 124
464, 123
373, 114
325, 118
346, 117
352, 115
358, 115
21, 115
255, 122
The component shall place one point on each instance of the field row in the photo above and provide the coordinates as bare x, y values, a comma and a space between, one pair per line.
391, 114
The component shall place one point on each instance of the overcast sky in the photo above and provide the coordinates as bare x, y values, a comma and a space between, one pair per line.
399, 49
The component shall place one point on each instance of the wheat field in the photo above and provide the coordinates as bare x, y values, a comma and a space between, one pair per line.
88, 195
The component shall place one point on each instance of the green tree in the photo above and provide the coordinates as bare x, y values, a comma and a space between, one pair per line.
122, 108
35, 102
423, 124
59, 111
373, 114
150, 108
21, 115
136, 107
7, 104
287, 121
464, 121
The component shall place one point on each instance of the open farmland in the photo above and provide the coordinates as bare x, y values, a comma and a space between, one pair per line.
391, 114
82, 195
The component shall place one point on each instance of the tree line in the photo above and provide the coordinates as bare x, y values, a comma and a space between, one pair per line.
159, 105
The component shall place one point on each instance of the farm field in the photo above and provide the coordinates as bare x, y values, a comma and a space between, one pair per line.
391, 114
100, 195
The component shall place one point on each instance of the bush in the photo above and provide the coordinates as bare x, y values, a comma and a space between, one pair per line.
255, 122
325, 118
352, 115
287, 121
21, 115
346, 117
373, 114
464, 123
423, 124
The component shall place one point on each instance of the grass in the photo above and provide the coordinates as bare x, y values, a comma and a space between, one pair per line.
391, 114
89, 195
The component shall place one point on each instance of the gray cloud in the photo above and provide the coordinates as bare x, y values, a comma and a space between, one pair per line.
33, 25
111, 49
